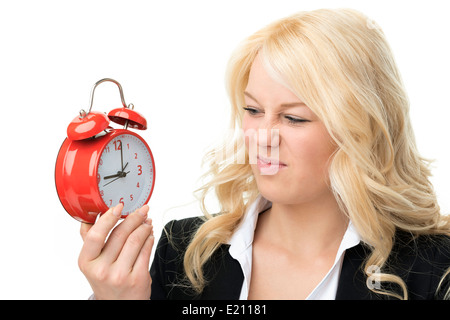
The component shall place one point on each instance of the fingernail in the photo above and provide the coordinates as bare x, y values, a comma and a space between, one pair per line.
117, 210
148, 221
143, 211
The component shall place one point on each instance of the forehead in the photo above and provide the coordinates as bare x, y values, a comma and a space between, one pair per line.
262, 85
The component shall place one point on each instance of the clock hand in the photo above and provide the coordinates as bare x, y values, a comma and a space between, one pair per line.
120, 176
119, 173
121, 156
113, 175
117, 176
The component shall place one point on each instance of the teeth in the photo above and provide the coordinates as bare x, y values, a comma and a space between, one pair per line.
268, 161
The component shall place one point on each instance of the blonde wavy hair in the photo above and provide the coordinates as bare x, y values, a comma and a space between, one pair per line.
341, 65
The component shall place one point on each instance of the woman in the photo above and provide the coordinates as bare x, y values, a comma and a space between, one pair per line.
332, 202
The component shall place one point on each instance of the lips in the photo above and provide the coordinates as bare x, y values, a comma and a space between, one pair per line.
270, 162
268, 166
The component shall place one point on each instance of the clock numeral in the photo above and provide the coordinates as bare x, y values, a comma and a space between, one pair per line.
137, 186
121, 201
135, 155
131, 197
117, 144
139, 170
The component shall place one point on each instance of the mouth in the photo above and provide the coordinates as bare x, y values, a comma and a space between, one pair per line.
269, 166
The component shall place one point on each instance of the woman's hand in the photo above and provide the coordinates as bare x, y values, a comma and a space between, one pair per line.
117, 267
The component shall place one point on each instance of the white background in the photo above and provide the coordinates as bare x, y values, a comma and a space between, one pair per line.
170, 58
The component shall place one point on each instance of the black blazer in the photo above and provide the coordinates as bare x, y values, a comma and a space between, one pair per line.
420, 263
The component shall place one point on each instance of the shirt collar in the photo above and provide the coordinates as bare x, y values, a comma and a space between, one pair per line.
242, 238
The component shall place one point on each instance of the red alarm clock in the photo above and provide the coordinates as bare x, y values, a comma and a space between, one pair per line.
98, 167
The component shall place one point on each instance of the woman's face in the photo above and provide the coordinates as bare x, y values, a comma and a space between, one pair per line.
289, 147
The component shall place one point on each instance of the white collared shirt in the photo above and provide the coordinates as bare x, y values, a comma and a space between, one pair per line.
241, 244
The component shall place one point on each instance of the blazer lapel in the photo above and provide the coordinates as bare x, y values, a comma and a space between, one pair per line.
225, 277
352, 281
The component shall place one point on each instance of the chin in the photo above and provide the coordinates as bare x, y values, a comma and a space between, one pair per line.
277, 198
273, 189
284, 189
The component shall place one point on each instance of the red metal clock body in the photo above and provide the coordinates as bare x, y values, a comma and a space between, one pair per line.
83, 165
98, 167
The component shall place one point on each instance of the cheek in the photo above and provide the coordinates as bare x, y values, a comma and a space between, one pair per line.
311, 152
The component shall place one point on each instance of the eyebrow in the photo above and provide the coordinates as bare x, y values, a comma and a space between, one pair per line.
284, 105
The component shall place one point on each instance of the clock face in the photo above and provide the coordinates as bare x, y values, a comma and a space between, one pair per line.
125, 173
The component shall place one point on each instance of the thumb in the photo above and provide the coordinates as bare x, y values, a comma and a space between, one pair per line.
85, 227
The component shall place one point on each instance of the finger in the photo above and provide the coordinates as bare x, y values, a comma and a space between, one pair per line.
84, 229
120, 234
143, 260
134, 245
94, 240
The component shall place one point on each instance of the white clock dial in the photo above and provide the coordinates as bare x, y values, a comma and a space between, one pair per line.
125, 173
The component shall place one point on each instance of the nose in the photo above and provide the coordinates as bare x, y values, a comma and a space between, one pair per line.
268, 136
263, 140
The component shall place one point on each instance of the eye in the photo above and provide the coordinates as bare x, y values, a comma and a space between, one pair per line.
252, 110
295, 120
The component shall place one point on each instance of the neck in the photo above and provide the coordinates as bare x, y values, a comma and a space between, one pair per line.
306, 227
